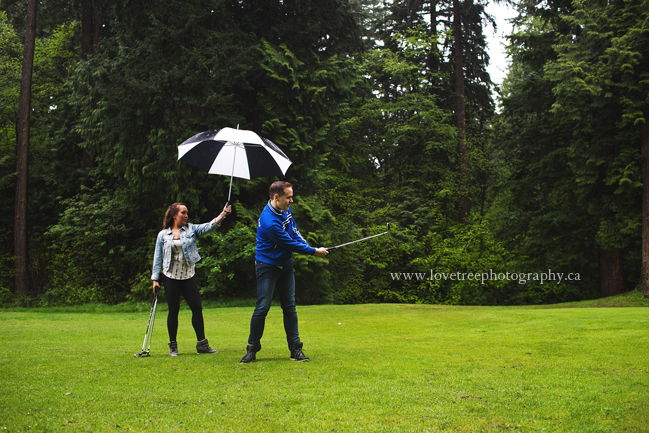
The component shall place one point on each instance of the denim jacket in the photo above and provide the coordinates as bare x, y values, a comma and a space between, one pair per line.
188, 235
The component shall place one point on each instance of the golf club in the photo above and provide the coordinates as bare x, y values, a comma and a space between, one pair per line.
364, 239
146, 346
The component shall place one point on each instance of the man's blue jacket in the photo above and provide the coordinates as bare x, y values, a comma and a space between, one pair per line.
278, 237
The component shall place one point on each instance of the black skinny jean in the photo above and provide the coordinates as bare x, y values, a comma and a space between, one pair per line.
189, 290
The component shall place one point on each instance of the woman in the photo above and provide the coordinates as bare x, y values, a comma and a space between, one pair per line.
174, 261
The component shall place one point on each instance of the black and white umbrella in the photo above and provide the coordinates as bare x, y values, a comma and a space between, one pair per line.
235, 153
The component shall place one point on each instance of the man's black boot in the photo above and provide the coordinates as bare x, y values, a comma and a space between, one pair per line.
296, 353
173, 348
251, 354
204, 347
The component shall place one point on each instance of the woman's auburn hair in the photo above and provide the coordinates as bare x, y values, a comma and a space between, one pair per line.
172, 211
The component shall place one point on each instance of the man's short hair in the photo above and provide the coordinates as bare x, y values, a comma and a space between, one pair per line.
278, 188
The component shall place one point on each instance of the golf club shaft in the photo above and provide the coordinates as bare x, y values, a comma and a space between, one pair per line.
149, 326
146, 333
155, 305
353, 242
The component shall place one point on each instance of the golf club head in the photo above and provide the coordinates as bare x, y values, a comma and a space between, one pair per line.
143, 354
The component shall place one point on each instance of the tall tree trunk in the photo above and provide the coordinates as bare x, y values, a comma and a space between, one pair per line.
644, 143
91, 25
99, 18
91, 21
433, 57
21, 277
611, 269
465, 204
86, 28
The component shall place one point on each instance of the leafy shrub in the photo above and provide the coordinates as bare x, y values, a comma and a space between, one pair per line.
464, 249
6, 277
227, 266
71, 285
92, 255
6, 296
313, 283
142, 289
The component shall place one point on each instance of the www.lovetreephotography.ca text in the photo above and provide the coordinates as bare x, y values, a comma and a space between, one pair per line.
484, 277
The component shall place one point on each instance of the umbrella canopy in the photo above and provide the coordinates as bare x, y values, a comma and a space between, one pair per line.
235, 153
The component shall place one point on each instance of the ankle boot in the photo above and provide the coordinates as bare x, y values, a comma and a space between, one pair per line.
204, 347
173, 348
296, 353
251, 354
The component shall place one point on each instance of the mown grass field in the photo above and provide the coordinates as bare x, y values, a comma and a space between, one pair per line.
373, 368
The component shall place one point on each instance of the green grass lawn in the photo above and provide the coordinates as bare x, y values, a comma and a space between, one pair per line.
373, 368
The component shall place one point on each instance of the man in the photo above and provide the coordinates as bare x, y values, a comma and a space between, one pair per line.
277, 239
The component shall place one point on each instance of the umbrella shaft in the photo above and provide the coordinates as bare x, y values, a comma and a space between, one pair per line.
232, 175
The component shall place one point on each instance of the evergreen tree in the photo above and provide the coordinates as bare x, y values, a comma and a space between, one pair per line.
166, 71
22, 154
575, 181
600, 85
542, 216
10, 62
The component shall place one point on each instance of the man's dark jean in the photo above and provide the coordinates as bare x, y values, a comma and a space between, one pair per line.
269, 278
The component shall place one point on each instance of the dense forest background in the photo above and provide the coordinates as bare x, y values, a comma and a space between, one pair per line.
388, 114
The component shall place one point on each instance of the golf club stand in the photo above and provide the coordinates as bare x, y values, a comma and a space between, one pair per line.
364, 239
146, 346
